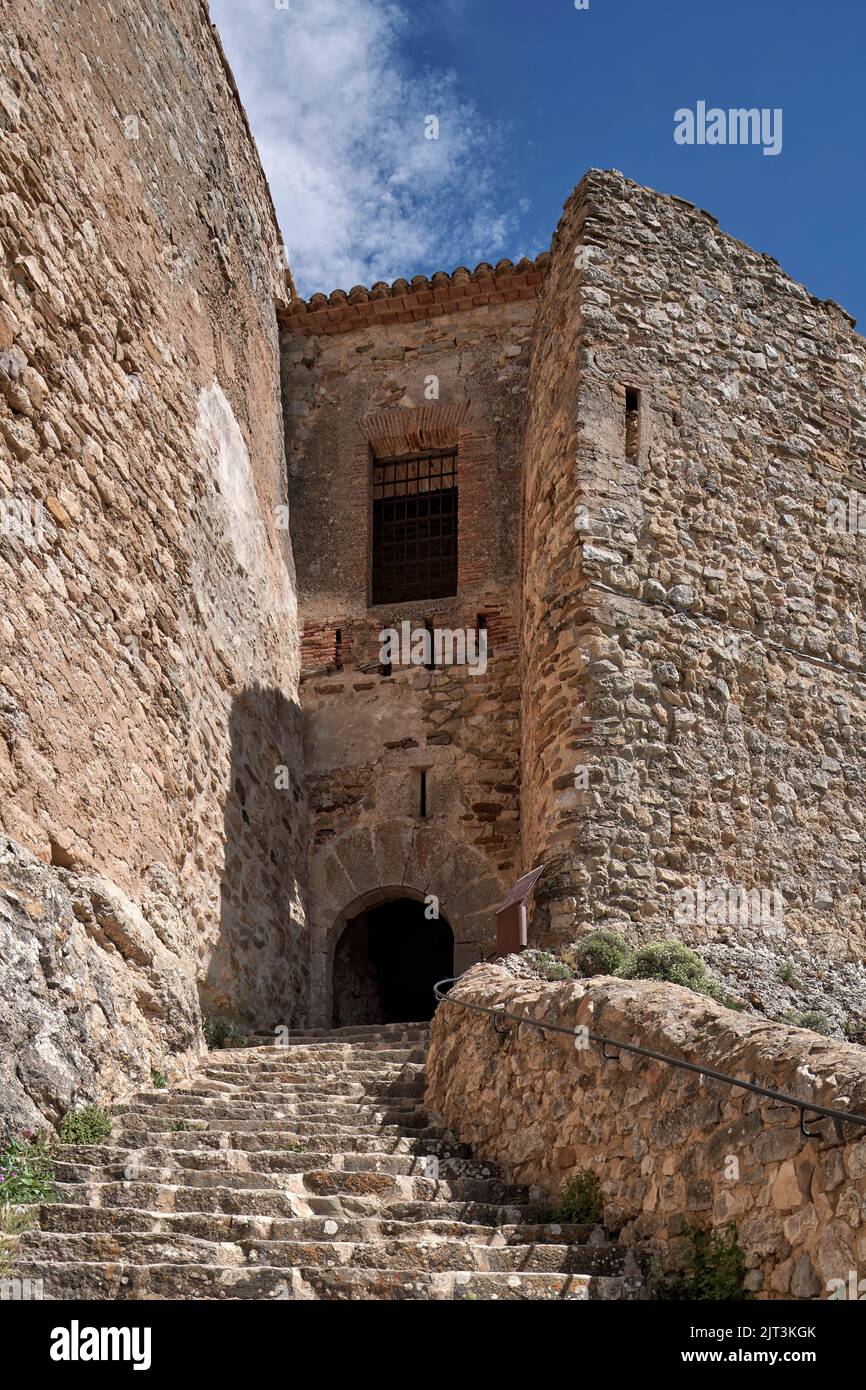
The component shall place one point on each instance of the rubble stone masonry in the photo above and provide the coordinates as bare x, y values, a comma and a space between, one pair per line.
693, 629
148, 641
668, 1147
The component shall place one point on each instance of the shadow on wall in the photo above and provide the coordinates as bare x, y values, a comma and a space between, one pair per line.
258, 972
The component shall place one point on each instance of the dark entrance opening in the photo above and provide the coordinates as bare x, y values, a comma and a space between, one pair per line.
386, 963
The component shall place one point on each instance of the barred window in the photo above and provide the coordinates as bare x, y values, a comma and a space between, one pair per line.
414, 527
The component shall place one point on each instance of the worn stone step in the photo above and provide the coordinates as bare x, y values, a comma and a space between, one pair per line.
389, 1186
362, 1031
374, 1141
271, 1201
220, 1226
270, 1082
343, 1061
157, 1189
104, 1163
119, 1282
340, 1088
387, 1036
290, 1126
428, 1253
326, 1108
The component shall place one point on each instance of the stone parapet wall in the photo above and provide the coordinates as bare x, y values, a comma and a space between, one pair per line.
667, 1146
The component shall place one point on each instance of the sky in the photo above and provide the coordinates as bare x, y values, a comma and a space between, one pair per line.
527, 95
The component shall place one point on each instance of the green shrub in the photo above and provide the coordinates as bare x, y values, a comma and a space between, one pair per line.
580, 1201
89, 1125
714, 1269
548, 966
673, 962
788, 974
812, 1019
220, 1031
158, 1079
600, 952
855, 1030
26, 1171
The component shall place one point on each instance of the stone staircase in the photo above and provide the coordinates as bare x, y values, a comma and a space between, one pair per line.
303, 1172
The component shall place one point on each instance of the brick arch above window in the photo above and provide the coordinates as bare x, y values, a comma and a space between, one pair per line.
405, 430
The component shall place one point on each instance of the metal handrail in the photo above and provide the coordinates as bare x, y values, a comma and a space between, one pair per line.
839, 1117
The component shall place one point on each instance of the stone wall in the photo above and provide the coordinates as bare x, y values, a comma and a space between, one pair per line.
383, 373
693, 627
148, 637
667, 1146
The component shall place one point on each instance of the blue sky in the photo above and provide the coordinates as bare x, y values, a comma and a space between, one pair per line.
529, 94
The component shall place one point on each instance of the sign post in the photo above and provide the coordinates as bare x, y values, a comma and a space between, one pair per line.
511, 915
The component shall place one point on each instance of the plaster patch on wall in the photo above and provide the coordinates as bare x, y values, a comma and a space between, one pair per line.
243, 527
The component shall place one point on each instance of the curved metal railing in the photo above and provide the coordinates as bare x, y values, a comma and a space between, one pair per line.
806, 1108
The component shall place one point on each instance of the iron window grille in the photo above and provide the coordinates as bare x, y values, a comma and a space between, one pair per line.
414, 527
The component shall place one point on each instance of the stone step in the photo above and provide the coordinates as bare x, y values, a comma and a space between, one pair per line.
373, 1034
274, 1073
361, 1031
375, 1141
219, 1226
106, 1164
283, 1129
321, 1049
156, 1188
270, 1201
320, 1107
270, 1093
336, 1060
410, 1253
119, 1282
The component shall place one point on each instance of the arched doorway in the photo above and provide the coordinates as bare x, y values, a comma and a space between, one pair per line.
386, 962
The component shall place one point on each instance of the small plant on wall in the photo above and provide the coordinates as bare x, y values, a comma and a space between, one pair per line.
713, 1270
580, 1201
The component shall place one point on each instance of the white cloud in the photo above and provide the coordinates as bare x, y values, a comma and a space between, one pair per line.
339, 117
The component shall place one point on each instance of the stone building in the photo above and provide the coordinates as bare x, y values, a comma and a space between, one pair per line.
616, 469
652, 430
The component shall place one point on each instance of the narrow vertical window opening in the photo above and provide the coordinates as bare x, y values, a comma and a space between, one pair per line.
422, 794
632, 424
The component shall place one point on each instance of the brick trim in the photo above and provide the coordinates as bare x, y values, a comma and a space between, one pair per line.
410, 430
